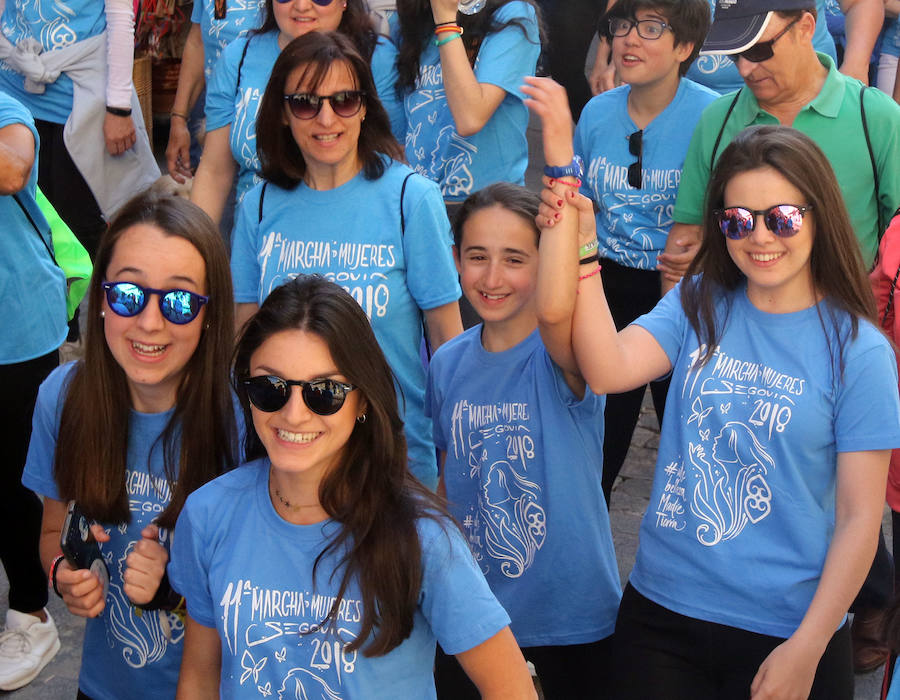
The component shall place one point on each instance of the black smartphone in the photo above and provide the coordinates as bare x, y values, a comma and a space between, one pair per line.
79, 546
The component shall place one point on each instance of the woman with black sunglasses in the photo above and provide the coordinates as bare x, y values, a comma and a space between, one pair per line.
781, 414
131, 429
338, 202
239, 80
322, 568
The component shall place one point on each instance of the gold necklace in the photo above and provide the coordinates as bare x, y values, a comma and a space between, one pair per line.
287, 504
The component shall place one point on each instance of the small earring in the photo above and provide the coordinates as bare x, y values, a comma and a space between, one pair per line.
102, 314
206, 326
361, 419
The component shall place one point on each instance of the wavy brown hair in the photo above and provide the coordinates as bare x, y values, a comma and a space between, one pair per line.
199, 441
370, 492
838, 273
281, 160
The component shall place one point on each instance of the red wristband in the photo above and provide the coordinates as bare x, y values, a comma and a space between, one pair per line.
53, 567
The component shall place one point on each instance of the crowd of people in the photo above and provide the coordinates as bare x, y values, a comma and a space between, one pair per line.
346, 420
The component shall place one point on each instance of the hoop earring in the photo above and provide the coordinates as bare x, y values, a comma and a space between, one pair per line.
361, 419
102, 314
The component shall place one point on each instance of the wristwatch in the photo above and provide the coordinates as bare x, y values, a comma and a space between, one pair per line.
573, 169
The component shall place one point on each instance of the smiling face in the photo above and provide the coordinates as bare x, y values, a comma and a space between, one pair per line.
298, 17
152, 351
497, 263
329, 143
779, 278
302, 446
646, 62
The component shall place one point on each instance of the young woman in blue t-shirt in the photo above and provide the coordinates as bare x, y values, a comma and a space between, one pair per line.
131, 429
770, 478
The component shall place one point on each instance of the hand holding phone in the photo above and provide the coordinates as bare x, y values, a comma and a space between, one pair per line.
83, 578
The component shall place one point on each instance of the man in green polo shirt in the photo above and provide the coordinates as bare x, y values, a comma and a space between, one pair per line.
787, 82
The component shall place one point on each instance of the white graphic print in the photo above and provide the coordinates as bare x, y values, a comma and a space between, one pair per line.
507, 525
53, 16
710, 64
260, 625
735, 407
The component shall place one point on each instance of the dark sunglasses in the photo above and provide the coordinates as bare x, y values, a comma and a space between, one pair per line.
784, 220
636, 148
323, 397
305, 105
176, 305
762, 50
320, 3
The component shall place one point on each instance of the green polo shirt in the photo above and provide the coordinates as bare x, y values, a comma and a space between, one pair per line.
834, 122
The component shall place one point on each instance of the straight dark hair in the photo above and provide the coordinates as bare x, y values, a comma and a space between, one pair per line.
199, 441
689, 20
514, 198
417, 27
356, 24
281, 160
838, 273
371, 492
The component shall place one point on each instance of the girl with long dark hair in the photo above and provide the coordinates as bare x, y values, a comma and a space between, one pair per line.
322, 568
130, 430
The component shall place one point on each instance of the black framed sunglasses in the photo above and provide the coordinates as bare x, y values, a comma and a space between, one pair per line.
320, 3
636, 148
305, 105
324, 397
177, 306
651, 29
784, 220
762, 50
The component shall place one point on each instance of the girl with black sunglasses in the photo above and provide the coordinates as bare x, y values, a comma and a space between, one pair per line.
322, 568
770, 479
131, 429
337, 201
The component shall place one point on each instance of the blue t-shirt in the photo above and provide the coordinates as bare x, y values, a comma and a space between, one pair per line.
55, 25
719, 73
352, 235
497, 153
125, 655
890, 38
523, 476
632, 224
248, 573
233, 100
240, 17
33, 286
742, 509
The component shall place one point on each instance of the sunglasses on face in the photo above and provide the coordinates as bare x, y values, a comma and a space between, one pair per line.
176, 305
323, 397
784, 220
762, 50
305, 105
646, 28
320, 3
636, 148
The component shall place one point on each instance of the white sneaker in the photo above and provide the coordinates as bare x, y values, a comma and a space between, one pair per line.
26, 646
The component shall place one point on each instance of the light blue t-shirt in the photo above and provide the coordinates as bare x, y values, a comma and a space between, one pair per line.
352, 235
236, 104
890, 38
240, 17
124, 655
248, 573
719, 73
33, 286
497, 153
55, 25
523, 476
632, 224
742, 509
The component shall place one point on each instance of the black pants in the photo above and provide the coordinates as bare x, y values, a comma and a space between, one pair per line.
569, 672
62, 184
570, 26
630, 293
661, 654
20, 509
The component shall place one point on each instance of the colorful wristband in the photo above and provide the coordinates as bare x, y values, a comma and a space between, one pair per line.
53, 566
447, 40
588, 247
590, 274
450, 28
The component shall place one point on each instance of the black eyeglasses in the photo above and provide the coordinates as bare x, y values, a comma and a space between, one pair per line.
784, 220
320, 3
178, 306
323, 397
762, 50
636, 148
305, 105
646, 28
